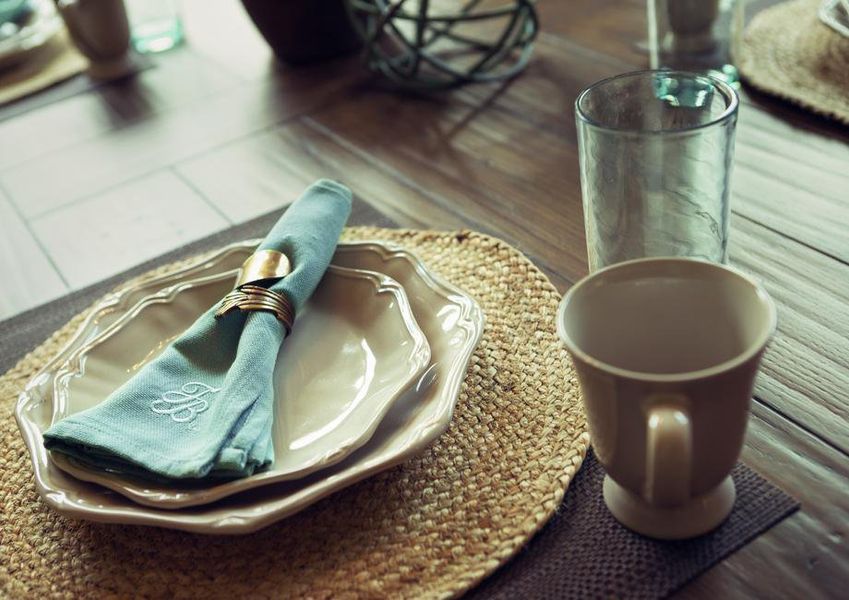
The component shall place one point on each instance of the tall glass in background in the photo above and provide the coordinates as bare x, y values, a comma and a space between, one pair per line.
155, 25
655, 153
696, 35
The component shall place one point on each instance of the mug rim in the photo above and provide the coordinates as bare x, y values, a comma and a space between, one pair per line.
743, 357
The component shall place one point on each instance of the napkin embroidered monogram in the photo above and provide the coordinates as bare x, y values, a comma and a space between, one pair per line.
185, 404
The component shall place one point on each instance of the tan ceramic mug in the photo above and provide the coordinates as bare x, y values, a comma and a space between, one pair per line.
666, 351
100, 30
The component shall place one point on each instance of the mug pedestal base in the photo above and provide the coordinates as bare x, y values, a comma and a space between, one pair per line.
699, 516
113, 69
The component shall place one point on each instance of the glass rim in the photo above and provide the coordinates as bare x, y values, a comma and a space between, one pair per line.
731, 97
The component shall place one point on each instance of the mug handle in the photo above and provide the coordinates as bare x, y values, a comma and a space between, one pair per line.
669, 448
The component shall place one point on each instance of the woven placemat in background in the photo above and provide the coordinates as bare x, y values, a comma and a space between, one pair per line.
432, 527
56, 62
788, 52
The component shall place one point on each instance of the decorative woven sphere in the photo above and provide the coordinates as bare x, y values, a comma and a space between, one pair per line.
438, 44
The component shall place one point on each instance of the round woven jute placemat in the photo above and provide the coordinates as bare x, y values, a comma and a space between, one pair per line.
788, 52
431, 527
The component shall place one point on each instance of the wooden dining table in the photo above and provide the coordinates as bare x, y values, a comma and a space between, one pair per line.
499, 158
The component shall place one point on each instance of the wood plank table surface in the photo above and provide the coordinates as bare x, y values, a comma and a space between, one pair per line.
217, 133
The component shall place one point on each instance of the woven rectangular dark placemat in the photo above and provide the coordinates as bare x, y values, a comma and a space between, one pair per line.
581, 553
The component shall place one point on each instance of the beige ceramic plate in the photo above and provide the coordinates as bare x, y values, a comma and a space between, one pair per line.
835, 14
356, 348
450, 319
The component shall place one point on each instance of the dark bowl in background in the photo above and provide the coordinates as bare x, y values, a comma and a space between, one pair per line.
304, 31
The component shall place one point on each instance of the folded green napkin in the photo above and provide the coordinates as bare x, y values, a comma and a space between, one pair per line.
204, 407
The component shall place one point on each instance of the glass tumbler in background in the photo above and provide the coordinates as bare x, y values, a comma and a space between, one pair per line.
655, 151
155, 25
696, 35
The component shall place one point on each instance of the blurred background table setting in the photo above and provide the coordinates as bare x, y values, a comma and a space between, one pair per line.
413, 298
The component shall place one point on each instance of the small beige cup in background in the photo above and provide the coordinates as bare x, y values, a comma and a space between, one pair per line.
666, 351
100, 30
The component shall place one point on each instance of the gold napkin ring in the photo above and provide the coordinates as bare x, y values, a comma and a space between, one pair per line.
263, 266
254, 297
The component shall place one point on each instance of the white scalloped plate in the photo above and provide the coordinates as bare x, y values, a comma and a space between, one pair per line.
357, 347
450, 319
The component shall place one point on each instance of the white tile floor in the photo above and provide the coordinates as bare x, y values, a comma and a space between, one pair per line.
104, 190
103, 212
28, 276
124, 175
247, 178
97, 198
48, 249
93, 238
126, 225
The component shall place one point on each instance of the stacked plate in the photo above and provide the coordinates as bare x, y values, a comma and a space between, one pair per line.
368, 378
835, 14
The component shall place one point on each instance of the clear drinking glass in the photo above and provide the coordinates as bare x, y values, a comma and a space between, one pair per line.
155, 25
655, 153
696, 35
